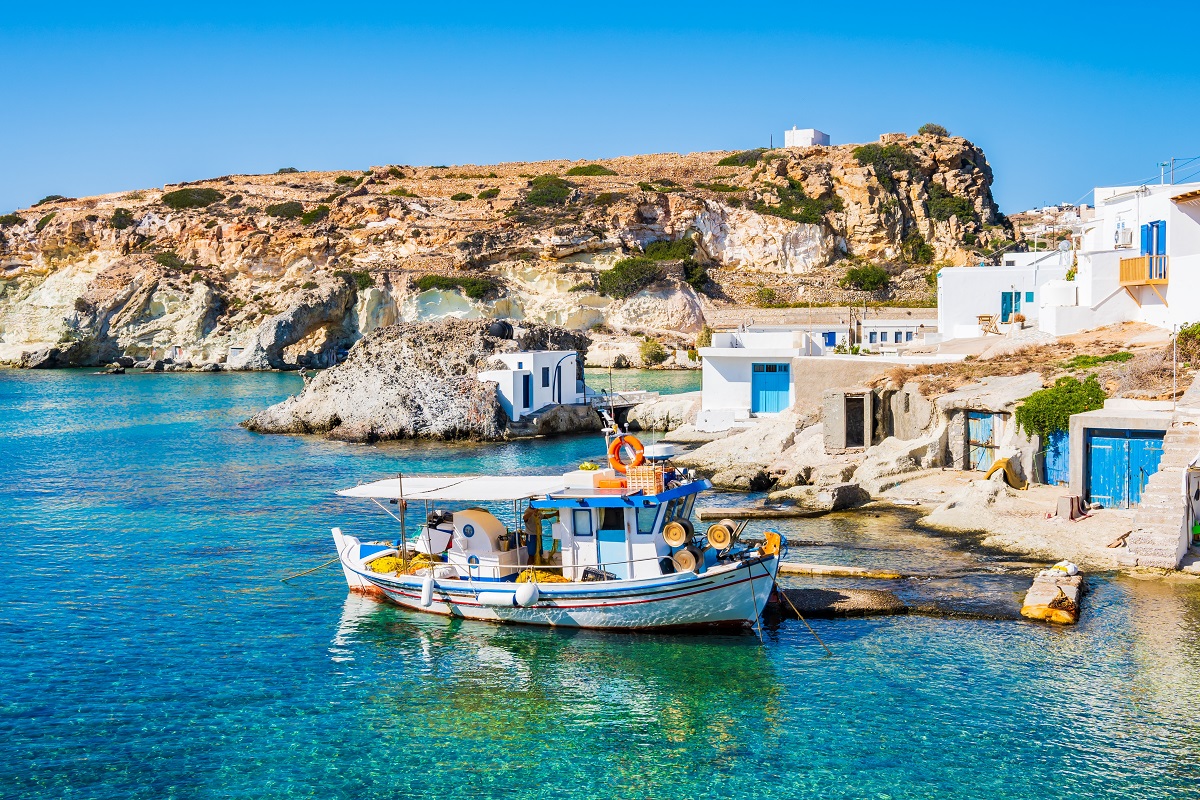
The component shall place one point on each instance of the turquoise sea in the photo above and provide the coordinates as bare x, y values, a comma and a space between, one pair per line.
149, 650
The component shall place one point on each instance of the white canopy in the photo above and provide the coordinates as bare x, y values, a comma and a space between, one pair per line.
466, 488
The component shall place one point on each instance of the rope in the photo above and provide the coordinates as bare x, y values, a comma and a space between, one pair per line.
802, 619
307, 571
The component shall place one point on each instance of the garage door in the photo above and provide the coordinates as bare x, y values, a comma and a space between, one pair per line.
770, 386
1119, 463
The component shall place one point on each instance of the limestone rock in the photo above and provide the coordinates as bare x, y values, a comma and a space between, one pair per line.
666, 413
743, 459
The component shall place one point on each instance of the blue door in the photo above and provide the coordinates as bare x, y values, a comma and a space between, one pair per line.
1056, 459
829, 338
613, 556
526, 390
770, 388
981, 440
1119, 464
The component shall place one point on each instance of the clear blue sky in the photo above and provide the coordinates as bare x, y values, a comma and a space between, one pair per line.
101, 97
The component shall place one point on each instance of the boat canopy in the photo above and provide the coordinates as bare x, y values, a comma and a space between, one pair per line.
465, 488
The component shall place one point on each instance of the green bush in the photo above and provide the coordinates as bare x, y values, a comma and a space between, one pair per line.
314, 215
342, 180
746, 158
719, 187
795, 205
289, 210
44, 221
1049, 410
121, 219
400, 191
170, 260
192, 197
461, 196
943, 205
765, 296
395, 172
11, 219
547, 190
488, 194
916, 250
652, 353
932, 129
607, 198
286, 171
629, 276
362, 279
867, 278
885, 159
50, 198
671, 251
309, 285
234, 201
1083, 361
473, 287
695, 274
1187, 340
591, 170
585, 286
704, 339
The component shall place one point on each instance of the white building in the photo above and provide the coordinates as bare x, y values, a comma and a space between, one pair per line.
1138, 260
804, 137
965, 295
879, 335
748, 373
535, 379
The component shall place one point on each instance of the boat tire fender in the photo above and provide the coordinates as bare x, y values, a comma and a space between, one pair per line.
526, 595
427, 590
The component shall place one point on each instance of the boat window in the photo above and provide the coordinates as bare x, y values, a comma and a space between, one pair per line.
581, 518
646, 517
688, 502
612, 519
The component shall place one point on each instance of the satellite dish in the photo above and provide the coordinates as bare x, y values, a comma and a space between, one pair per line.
1064, 246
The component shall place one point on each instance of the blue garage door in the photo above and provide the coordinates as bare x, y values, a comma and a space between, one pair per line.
981, 439
1057, 459
1119, 464
769, 387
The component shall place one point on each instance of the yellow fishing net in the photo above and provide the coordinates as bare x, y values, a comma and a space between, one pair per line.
389, 564
541, 576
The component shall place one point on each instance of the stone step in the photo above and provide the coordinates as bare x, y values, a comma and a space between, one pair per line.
1159, 563
1168, 554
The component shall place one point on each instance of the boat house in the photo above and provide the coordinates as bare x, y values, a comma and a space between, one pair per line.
533, 379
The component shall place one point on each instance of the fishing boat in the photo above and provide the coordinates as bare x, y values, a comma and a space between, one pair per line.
623, 552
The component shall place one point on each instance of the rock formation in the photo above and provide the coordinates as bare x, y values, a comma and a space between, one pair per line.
285, 270
411, 380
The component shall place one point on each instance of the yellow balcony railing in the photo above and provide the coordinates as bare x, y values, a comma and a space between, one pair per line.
1144, 271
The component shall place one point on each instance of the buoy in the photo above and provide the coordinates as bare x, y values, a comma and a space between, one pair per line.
618, 446
688, 559
719, 536
678, 533
426, 591
527, 594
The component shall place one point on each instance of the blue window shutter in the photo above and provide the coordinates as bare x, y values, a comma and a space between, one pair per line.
1029, 297
1145, 240
1160, 239
873, 337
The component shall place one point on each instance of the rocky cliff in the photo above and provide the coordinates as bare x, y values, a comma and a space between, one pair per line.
290, 269
411, 380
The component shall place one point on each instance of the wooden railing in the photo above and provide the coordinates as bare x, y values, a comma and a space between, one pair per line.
1144, 271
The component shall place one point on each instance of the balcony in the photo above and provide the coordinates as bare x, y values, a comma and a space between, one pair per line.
1144, 271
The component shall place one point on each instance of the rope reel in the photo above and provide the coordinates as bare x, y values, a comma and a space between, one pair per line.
688, 559
719, 536
678, 532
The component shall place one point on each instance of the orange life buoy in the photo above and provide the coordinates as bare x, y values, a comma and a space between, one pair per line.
614, 453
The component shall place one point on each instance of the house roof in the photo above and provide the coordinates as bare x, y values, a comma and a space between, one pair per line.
1187, 197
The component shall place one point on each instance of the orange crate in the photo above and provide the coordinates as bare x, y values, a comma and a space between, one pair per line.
646, 478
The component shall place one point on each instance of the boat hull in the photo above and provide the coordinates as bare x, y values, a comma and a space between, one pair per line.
731, 595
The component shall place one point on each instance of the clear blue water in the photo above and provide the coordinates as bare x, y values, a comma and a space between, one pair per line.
664, 381
151, 651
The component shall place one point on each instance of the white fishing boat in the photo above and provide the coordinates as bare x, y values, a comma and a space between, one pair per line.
623, 553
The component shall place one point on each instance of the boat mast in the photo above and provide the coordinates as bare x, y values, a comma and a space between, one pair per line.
403, 507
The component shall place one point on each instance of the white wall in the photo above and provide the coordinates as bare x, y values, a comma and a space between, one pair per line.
541, 365
726, 381
804, 137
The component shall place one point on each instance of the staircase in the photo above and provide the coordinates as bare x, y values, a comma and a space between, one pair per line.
1159, 537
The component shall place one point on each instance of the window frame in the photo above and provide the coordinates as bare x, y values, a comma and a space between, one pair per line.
591, 527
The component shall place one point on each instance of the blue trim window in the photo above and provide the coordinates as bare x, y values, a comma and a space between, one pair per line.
1028, 297
882, 337
545, 377
873, 337
581, 519
908, 336
645, 519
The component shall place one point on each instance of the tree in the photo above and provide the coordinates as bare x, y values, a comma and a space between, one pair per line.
932, 129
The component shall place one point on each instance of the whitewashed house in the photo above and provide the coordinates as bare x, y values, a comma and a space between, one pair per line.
879, 335
535, 379
748, 373
967, 294
804, 137
1138, 260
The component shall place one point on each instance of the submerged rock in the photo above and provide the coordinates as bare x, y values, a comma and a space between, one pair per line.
411, 380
